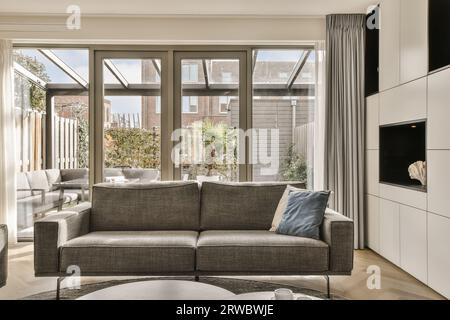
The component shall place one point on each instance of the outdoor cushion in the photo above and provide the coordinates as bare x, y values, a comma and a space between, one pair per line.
112, 172
259, 251
74, 174
53, 176
243, 206
38, 180
146, 207
23, 184
131, 252
141, 174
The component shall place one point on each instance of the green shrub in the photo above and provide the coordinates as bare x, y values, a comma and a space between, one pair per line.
132, 147
295, 167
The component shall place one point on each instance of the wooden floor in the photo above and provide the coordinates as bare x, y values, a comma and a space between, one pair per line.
395, 283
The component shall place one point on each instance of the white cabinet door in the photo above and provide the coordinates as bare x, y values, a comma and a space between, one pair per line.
413, 39
413, 242
409, 197
373, 122
372, 172
390, 231
404, 103
389, 44
373, 223
438, 163
439, 254
438, 130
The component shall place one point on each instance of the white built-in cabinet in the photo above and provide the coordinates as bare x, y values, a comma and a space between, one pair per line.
413, 242
389, 230
408, 227
413, 39
403, 41
439, 254
439, 182
389, 67
373, 222
439, 110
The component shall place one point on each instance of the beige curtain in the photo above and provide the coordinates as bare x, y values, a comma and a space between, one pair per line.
345, 118
7, 137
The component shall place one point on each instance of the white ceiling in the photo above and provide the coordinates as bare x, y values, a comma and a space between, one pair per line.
189, 7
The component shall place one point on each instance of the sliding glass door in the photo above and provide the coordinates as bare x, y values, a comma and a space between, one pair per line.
210, 116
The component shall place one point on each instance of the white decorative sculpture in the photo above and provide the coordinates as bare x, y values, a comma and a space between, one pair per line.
418, 171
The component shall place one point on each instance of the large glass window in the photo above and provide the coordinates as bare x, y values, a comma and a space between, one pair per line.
52, 132
283, 115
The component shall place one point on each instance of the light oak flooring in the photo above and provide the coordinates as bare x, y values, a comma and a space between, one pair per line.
395, 283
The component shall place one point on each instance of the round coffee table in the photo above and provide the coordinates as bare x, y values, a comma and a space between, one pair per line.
261, 296
161, 290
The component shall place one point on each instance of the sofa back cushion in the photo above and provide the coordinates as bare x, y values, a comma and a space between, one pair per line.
23, 184
240, 206
146, 207
38, 180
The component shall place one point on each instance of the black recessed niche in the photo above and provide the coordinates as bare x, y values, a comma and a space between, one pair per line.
400, 146
438, 34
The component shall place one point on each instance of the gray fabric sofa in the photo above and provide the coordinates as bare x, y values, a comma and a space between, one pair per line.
3, 255
181, 228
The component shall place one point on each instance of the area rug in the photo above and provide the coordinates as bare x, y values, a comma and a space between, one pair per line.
237, 286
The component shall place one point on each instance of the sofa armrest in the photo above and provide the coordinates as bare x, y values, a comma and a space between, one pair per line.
338, 233
53, 231
3, 254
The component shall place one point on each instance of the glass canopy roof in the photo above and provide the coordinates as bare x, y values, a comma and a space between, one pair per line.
272, 69
77, 60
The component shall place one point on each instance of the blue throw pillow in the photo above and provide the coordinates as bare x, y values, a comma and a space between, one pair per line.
304, 214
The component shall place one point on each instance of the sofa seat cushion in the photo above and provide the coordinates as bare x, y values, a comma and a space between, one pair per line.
131, 252
260, 251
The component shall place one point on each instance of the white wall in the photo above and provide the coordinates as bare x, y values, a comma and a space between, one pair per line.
410, 228
173, 30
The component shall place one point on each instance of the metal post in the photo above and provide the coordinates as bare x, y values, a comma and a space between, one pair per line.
328, 287
58, 287
197, 278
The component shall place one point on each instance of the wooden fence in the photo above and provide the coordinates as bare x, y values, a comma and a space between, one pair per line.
65, 143
30, 141
304, 140
30, 150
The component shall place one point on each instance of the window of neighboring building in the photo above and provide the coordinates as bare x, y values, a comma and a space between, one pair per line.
190, 104
190, 73
223, 105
